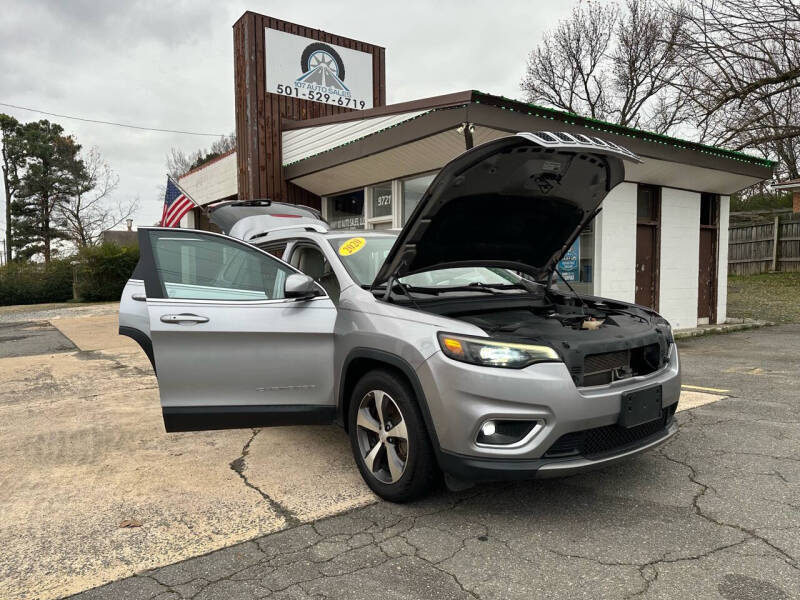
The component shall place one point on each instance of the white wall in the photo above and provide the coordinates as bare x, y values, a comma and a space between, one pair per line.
680, 257
722, 265
188, 221
615, 245
213, 181
209, 183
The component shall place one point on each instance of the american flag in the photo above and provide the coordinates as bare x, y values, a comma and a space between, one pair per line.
176, 204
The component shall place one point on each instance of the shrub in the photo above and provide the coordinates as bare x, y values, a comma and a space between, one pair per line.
32, 283
104, 270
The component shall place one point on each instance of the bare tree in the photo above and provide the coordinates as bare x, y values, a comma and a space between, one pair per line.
644, 62
568, 69
612, 64
740, 50
726, 72
89, 211
179, 162
743, 63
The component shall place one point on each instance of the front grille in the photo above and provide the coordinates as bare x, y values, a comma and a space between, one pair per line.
607, 361
591, 443
603, 368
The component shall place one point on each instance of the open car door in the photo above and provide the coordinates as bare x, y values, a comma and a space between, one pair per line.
231, 349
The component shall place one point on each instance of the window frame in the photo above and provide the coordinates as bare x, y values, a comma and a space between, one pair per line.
325, 205
371, 221
402, 196
154, 286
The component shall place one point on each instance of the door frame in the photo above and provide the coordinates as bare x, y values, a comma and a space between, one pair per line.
231, 416
714, 225
655, 224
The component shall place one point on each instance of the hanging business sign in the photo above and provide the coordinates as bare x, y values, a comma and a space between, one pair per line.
569, 265
300, 67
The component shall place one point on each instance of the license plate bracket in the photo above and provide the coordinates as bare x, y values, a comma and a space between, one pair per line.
640, 407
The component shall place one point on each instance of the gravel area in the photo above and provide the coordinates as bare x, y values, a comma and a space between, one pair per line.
46, 312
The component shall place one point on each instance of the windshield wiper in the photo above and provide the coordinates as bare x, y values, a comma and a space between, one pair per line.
472, 287
475, 286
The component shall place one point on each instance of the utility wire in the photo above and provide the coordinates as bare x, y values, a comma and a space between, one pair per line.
44, 112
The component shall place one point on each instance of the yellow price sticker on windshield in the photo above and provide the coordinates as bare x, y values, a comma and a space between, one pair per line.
352, 246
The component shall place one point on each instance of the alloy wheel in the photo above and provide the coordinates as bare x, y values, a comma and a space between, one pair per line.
382, 436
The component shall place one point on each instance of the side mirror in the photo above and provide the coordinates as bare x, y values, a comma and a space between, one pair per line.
298, 285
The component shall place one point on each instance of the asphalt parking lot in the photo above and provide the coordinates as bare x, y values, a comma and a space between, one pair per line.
282, 513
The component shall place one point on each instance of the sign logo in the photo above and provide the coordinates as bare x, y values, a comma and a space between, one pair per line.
569, 265
300, 67
322, 69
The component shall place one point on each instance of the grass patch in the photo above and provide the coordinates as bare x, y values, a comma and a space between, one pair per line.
768, 296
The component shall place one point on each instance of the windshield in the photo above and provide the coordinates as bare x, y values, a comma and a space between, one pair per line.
363, 256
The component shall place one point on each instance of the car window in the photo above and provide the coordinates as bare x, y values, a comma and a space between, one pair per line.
310, 259
198, 266
364, 256
458, 276
276, 250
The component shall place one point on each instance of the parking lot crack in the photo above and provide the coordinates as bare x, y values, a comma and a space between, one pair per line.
750, 533
239, 465
763, 455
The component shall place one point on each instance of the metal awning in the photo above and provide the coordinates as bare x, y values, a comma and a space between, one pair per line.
335, 154
299, 144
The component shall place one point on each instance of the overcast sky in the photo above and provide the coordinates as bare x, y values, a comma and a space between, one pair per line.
170, 64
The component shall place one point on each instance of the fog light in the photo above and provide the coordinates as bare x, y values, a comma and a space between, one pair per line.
507, 433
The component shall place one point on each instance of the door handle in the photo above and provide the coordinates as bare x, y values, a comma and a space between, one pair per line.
183, 318
139, 297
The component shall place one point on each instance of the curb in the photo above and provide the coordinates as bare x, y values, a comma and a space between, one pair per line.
717, 329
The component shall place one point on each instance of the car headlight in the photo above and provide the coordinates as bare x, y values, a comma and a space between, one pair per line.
480, 351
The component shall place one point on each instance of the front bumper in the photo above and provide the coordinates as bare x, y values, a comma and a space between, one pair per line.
460, 397
495, 469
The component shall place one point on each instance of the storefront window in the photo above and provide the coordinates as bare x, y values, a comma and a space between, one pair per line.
382, 200
346, 211
413, 189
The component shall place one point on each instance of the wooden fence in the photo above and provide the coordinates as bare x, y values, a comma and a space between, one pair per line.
764, 247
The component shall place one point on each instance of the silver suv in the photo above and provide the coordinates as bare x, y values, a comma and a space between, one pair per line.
449, 347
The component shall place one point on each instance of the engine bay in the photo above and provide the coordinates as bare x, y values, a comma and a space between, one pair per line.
601, 341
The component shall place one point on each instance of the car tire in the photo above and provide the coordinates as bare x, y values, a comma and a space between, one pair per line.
396, 469
305, 58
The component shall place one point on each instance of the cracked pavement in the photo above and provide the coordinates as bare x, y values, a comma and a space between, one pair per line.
84, 450
714, 513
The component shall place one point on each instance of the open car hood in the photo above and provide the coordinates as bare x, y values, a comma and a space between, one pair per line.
517, 202
252, 219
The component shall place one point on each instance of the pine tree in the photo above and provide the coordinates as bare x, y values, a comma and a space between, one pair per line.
52, 171
9, 132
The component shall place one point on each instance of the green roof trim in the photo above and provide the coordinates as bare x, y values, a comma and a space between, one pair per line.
543, 112
603, 126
